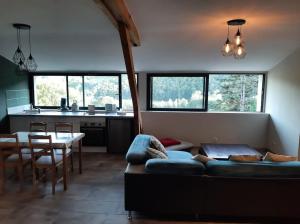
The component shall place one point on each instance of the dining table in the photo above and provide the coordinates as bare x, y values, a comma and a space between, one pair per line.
60, 140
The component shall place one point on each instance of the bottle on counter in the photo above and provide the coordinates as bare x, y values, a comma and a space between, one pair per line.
75, 106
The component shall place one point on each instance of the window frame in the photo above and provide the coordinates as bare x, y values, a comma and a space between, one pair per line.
206, 89
81, 74
262, 106
150, 88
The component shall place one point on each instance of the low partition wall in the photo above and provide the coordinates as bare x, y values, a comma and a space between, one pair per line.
206, 127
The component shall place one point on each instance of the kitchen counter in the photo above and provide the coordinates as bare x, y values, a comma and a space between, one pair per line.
71, 114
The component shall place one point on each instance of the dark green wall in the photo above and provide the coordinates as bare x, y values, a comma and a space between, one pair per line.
10, 79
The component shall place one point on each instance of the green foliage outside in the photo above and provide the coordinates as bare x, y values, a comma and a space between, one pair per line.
226, 92
99, 90
234, 92
177, 92
49, 90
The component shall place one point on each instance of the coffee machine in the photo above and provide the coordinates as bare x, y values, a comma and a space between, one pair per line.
63, 104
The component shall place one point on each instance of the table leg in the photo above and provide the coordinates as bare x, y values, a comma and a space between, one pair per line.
80, 156
65, 170
2, 174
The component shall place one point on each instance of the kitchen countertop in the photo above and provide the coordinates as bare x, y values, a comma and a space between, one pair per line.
71, 114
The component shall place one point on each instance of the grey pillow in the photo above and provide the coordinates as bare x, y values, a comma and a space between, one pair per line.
156, 154
155, 143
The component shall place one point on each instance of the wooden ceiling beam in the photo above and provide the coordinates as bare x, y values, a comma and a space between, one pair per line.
117, 12
127, 53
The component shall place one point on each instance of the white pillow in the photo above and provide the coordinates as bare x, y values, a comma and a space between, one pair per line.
155, 143
202, 158
156, 154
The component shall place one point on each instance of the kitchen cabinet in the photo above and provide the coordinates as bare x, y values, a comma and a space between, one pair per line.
119, 134
114, 135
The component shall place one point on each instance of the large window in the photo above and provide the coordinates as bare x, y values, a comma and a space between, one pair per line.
203, 92
49, 89
176, 92
235, 92
96, 89
99, 90
75, 87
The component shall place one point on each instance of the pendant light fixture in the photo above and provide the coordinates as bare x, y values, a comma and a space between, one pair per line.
227, 49
30, 62
18, 55
237, 48
18, 58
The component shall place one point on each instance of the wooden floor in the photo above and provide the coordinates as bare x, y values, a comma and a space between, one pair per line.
96, 196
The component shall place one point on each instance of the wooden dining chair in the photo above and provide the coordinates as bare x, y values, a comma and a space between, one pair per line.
65, 127
38, 126
46, 159
12, 157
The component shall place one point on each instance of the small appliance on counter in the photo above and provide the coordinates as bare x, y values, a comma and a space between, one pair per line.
110, 108
91, 109
63, 104
75, 106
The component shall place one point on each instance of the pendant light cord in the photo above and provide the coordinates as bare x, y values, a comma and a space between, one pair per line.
18, 38
29, 42
227, 31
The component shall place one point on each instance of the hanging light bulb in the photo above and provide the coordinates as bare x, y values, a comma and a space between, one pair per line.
239, 52
227, 48
30, 62
18, 55
238, 37
22, 65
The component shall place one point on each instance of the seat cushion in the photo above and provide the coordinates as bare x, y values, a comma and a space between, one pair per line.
137, 152
174, 166
28, 151
253, 169
179, 155
60, 151
46, 160
15, 158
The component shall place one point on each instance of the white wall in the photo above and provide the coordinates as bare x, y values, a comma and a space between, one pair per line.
204, 127
283, 105
240, 128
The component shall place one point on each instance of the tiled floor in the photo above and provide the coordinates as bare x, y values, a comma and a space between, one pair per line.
96, 196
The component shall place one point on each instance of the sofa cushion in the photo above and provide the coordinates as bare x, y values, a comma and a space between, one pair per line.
174, 166
253, 169
137, 152
179, 155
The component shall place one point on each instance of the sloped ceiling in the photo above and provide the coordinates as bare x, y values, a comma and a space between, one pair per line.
176, 35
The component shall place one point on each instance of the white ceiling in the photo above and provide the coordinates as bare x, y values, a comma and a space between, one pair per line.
176, 35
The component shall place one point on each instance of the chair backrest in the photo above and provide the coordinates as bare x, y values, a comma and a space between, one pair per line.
64, 127
9, 144
43, 144
38, 126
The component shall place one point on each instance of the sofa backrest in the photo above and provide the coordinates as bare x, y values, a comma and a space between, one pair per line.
137, 152
253, 169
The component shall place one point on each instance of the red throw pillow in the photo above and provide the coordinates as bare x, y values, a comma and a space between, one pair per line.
169, 141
